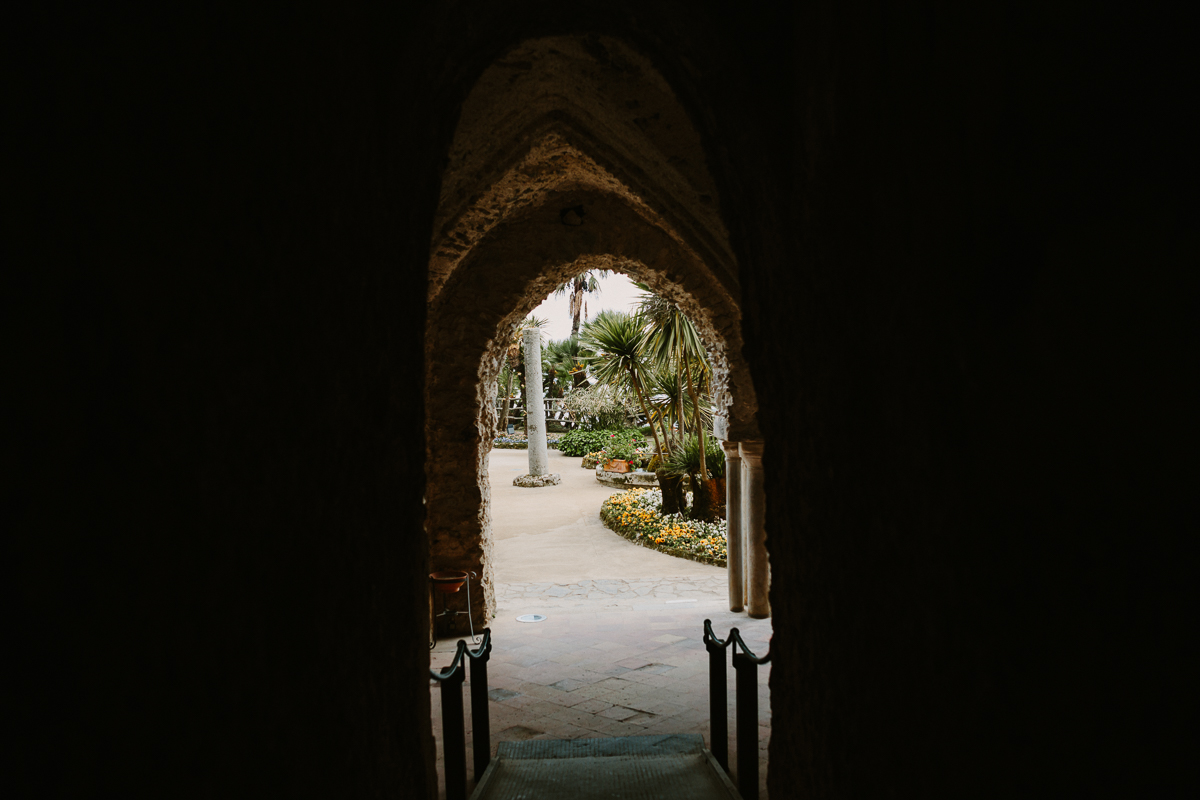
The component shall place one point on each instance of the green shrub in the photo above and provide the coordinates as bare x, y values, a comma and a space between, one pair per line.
620, 447
581, 442
686, 460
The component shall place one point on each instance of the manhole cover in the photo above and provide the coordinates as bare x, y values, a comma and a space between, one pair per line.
531, 618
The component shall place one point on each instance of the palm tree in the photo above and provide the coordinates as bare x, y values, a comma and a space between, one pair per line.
669, 401
673, 342
507, 374
514, 363
618, 340
565, 359
581, 284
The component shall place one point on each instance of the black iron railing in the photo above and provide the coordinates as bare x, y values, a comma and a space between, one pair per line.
454, 738
745, 665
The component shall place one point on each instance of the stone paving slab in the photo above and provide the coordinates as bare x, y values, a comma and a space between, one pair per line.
613, 662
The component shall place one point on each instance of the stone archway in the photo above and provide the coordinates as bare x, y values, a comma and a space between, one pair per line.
525, 259
570, 152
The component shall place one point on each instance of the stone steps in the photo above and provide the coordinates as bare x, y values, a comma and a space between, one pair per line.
660, 767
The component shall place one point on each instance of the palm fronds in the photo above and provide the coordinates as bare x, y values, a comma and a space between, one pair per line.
618, 343
674, 343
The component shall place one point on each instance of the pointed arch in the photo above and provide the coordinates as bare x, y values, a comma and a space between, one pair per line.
569, 151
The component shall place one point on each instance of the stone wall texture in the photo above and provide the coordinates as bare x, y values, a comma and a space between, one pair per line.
937, 246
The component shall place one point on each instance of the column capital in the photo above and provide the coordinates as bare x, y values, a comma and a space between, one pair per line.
732, 453
751, 452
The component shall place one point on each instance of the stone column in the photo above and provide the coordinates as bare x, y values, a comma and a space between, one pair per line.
758, 570
535, 414
535, 406
735, 544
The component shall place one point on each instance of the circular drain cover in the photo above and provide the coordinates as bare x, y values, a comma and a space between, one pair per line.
531, 618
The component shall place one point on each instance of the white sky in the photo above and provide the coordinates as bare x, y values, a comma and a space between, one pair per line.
617, 293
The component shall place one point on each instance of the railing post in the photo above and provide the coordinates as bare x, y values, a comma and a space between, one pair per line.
718, 700
746, 683
481, 725
454, 740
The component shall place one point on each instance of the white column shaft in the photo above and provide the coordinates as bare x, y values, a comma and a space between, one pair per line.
754, 504
735, 546
535, 407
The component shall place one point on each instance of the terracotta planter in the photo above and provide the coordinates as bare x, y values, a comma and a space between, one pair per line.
717, 487
616, 465
448, 580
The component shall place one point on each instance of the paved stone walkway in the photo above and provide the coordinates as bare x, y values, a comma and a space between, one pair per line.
555, 534
614, 657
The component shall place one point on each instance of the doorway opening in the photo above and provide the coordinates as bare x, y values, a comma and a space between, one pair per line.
571, 154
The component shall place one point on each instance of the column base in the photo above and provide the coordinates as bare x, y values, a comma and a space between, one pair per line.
532, 481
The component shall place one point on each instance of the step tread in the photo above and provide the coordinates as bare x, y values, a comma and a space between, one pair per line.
666, 744
633, 767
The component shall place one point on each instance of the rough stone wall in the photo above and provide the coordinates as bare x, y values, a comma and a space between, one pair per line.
608, 98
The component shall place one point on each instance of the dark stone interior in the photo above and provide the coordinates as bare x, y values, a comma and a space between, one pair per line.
960, 246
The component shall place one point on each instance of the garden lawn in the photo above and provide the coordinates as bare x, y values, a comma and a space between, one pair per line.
637, 515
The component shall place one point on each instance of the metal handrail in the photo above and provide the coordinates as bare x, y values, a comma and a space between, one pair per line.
745, 664
454, 738
717, 696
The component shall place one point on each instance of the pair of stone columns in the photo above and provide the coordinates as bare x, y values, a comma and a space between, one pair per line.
745, 504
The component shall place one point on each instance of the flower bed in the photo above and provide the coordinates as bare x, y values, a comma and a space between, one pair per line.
637, 515
518, 441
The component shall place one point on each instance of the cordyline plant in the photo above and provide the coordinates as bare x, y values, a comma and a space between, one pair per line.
674, 345
617, 341
667, 395
513, 364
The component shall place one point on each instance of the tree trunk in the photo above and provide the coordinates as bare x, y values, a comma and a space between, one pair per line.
672, 492
507, 401
525, 401
682, 440
705, 503
577, 303
700, 438
637, 388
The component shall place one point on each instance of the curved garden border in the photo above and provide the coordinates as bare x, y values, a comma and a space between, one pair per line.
611, 516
